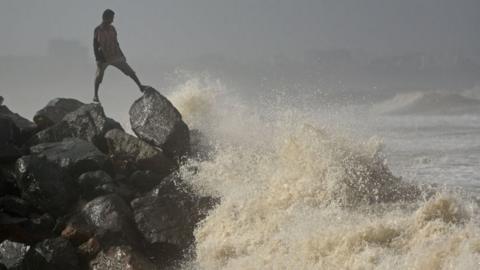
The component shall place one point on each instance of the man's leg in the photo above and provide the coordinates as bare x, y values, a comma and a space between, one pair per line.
98, 78
127, 70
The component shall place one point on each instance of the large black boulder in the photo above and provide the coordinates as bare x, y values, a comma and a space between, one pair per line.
110, 217
167, 214
87, 122
155, 120
54, 253
73, 155
135, 154
13, 254
45, 184
55, 110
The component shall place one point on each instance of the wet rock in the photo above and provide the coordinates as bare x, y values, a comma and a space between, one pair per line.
166, 215
45, 184
96, 183
121, 258
88, 123
55, 253
26, 127
9, 134
155, 120
110, 218
137, 154
55, 110
89, 249
74, 155
13, 254
144, 180
14, 205
24, 230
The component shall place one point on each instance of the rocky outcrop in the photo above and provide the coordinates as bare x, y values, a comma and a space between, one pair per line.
88, 123
135, 154
74, 155
155, 120
77, 192
55, 110
45, 184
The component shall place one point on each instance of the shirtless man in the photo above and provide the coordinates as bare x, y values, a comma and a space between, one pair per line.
108, 52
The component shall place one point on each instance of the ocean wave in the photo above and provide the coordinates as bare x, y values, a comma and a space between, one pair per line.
428, 103
298, 195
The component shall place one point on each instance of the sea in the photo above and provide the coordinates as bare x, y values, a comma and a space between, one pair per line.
332, 186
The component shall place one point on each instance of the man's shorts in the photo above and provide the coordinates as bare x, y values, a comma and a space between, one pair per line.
121, 64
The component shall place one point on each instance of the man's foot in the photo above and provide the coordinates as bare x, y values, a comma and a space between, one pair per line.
143, 88
96, 100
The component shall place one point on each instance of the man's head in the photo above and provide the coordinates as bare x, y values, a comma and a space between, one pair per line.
108, 15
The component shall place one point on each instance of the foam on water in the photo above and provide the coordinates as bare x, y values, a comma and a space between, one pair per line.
298, 195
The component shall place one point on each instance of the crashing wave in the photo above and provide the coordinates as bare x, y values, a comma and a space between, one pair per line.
297, 196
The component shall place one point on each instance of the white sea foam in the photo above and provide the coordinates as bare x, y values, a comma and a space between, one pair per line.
298, 195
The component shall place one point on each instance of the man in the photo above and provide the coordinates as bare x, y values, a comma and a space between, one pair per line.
108, 52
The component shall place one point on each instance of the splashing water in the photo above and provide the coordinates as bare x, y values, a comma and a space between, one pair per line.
298, 196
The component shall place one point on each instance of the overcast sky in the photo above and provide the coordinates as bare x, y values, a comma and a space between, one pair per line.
244, 28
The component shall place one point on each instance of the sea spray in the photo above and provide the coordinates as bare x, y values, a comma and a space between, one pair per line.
298, 195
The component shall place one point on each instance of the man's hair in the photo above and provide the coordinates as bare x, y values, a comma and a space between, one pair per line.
107, 14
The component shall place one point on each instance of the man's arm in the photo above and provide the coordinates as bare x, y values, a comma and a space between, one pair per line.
116, 40
96, 49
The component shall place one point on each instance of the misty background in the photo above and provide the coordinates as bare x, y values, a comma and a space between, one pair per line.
348, 50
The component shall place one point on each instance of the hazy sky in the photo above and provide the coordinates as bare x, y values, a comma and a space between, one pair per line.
245, 27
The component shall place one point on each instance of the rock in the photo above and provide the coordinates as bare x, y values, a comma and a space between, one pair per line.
1, 100
74, 155
111, 219
155, 120
89, 249
45, 184
23, 230
137, 154
14, 205
95, 183
166, 215
144, 180
55, 110
13, 254
26, 127
121, 258
88, 123
9, 135
54, 253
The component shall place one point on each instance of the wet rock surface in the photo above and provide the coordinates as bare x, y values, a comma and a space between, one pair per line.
73, 155
155, 120
12, 254
45, 184
137, 154
55, 253
55, 110
87, 122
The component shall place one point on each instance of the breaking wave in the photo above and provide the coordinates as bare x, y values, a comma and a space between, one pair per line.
428, 103
296, 194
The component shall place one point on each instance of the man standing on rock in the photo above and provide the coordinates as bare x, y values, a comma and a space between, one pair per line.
108, 52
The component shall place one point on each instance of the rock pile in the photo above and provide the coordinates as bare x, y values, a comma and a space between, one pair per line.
78, 192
